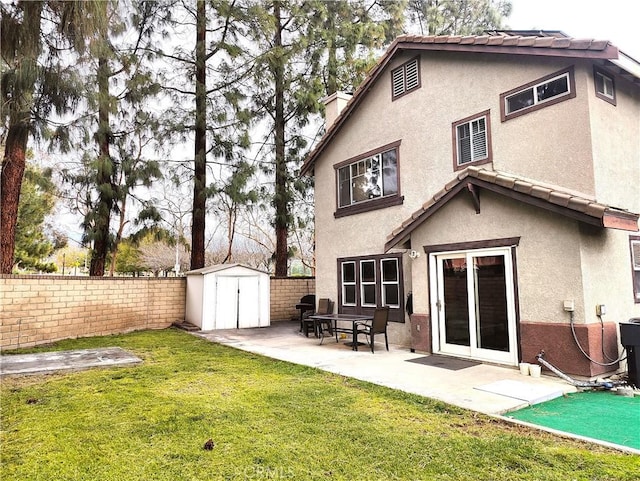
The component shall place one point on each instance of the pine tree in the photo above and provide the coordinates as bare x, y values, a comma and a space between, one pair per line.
34, 82
457, 17
37, 201
307, 49
123, 128
204, 89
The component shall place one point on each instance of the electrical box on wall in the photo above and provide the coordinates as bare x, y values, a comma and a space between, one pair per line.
569, 305
601, 310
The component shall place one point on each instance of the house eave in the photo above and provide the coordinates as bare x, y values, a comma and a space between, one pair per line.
562, 203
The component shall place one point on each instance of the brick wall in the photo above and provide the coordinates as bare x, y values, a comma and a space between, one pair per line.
40, 309
286, 293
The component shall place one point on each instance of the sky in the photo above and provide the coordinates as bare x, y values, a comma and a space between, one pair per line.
615, 20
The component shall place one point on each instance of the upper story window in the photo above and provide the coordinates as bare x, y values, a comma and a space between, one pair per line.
634, 242
405, 78
605, 86
549, 90
472, 141
369, 181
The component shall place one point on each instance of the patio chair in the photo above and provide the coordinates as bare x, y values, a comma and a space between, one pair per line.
377, 326
325, 306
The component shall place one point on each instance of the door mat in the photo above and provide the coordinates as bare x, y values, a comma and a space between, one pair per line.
529, 392
450, 363
46, 362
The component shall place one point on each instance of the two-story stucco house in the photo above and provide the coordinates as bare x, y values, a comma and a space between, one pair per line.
494, 182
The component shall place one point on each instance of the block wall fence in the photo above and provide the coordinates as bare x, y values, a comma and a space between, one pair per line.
38, 310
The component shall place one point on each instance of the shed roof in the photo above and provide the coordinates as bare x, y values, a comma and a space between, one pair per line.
549, 44
551, 198
221, 267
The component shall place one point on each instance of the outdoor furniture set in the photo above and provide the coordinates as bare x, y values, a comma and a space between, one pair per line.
324, 321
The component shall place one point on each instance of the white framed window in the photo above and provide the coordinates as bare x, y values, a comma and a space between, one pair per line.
368, 283
634, 244
369, 177
349, 284
605, 85
390, 282
540, 93
405, 78
471, 140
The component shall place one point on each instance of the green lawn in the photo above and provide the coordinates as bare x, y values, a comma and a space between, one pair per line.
268, 420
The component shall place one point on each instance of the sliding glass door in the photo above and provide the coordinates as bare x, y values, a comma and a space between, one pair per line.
473, 305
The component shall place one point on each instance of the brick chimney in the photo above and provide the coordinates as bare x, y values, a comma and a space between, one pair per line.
333, 105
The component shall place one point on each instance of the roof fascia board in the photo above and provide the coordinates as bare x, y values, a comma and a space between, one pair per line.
536, 202
614, 220
611, 52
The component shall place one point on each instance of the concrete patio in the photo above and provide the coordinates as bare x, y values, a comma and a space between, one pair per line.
468, 385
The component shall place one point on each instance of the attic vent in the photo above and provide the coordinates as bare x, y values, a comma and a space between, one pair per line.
405, 78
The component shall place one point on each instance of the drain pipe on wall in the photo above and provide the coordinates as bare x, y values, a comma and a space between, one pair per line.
574, 382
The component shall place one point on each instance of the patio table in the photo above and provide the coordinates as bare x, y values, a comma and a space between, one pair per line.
333, 319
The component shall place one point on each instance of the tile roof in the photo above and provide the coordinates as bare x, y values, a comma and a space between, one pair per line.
512, 41
547, 197
555, 44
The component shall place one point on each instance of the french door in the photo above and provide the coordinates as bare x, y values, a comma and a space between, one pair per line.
473, 305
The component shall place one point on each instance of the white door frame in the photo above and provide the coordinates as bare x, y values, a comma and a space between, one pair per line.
436, 297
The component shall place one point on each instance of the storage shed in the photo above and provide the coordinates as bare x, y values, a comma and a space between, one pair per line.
227, 296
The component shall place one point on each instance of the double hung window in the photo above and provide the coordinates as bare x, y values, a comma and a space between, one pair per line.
369, 181
472, 140
369, 282
540, 93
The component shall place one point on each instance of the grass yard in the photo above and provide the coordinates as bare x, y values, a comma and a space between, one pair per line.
268, 419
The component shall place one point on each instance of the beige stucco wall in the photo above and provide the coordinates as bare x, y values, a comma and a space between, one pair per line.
607, 274
616, 145
553, 145
548, 263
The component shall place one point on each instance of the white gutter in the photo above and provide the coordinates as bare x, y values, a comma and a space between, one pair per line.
627, 63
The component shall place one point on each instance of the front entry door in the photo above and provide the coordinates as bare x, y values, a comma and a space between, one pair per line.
473, 297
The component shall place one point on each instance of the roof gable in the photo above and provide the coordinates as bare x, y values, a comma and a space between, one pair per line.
533, 45
549, 198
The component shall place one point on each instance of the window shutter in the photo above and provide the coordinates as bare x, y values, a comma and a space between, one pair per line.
464, 144
412, 74
479, 139
398, 82
635, 249
465, 151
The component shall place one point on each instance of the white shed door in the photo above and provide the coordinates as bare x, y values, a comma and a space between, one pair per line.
237, 302
249, 302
